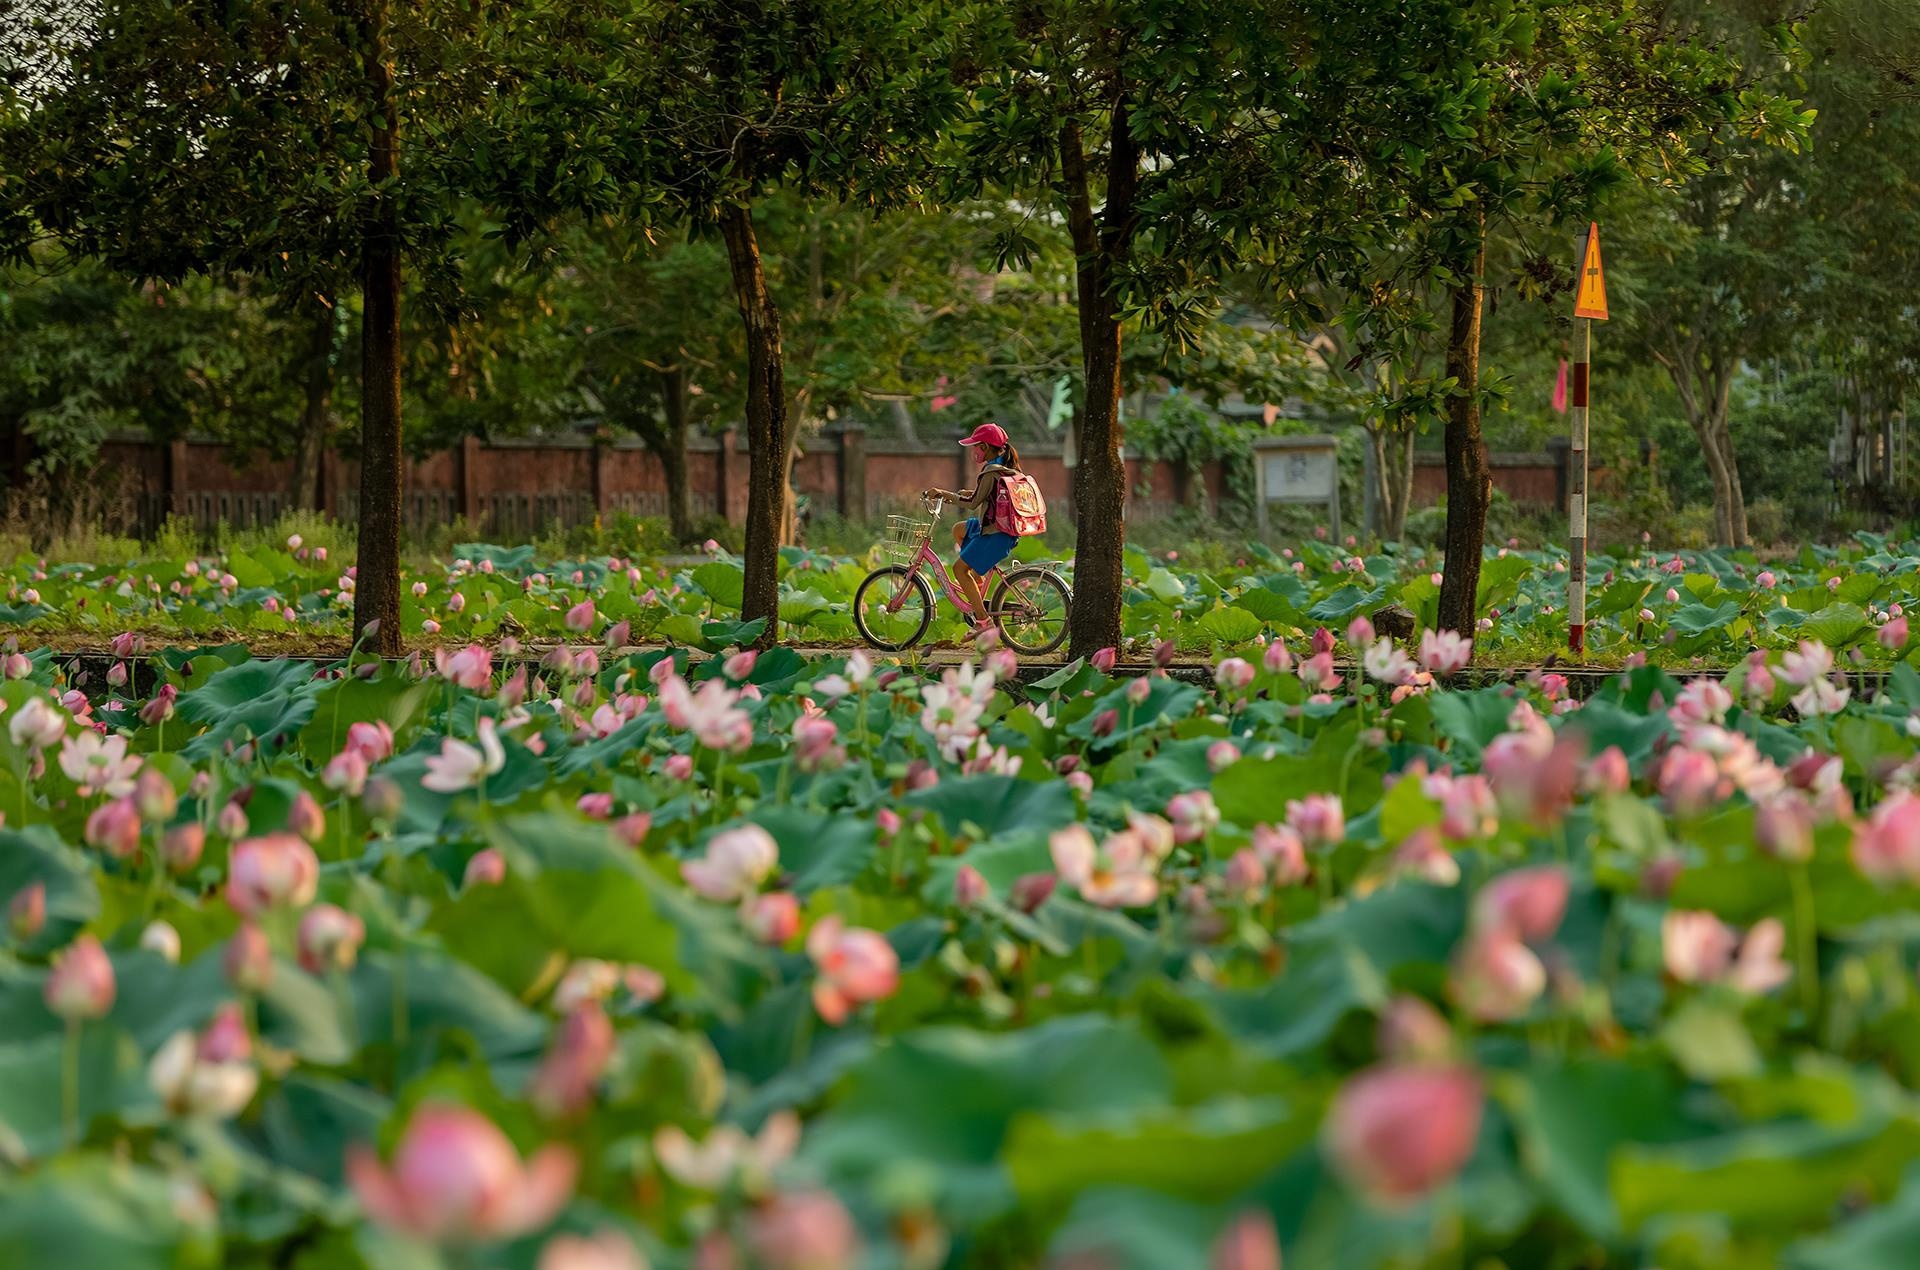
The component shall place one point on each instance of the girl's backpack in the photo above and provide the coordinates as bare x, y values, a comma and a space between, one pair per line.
1018, 508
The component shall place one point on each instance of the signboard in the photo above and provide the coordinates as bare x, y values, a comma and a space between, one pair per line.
1590, 299
1297, 470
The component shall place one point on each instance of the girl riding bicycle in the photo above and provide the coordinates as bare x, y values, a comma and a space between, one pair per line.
982, 544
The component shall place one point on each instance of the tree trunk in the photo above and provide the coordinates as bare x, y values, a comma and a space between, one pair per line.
310, 440
1469, 481
1100, 477
1399, 486
1723, 439
670, 447
1722, 489
376, 596
767, 439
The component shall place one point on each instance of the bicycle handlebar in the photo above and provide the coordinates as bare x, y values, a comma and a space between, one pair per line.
934, 506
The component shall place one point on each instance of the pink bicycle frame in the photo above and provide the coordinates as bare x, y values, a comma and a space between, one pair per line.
927, 558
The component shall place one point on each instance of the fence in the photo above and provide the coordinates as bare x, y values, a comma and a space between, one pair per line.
517, 488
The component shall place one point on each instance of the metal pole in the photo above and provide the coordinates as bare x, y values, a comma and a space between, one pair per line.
1577, 490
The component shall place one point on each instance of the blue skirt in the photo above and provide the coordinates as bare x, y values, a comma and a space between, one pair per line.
980, 552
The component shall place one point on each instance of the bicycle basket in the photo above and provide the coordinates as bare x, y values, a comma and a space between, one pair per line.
905, 537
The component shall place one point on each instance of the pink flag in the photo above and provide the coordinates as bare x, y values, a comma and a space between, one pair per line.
1560, 389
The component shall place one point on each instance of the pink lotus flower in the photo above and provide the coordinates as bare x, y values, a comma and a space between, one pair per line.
595, 806
1533, 772
618, 634
1193, 815
1104, 659
1319, 819
459, 766
970, 887
305, 818
346, 772
1221, 755
1445, 652
1277, 660
1248, 1243
470, 668
1164, 652
329, 938
1813, 660
210, 1075
1496, 977
1411, 1031
727, 1154
1701, 701
486, 867
81, 983
579, 618
1360, 632
1137, 691
1526, 903
1282, 851
114, 827
1105, 722
633, 828
814, 747
373, 741
855, 966
1397, 1132
248, 959
1783, 826
678, 767
1317, 673
564, 1082
740, 665
159, 708
97, 763
27, 911
1233, 675
773, 918
457, 1179
1696, 947
1607, 773
804, 1230
1766, 579
1886, 847
736, 862
608, 1250
275, 871
1030, 890
1246, 872
1691, 782
1122, 872
181, 846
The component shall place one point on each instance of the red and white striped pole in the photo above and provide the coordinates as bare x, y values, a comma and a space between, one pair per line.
1577, 488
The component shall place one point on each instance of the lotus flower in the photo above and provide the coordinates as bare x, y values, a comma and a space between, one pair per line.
470, 668
329, 938
275, 871
460, 766
98, 763
773, 918
1281, 849
804, 1230
209, 1075
457, 1179
579, 618
1248, 1243
1319, 819
1496, 977
81, 983
855, 966
1886, 847
608, 1250
1233, 674
727, 1153
114, 827
162, 940
372, 740
39, 724
27, 911
1396, 1132
564, 1082
1526, 903
1103, 659
1193, 815
736, 862
1445, 652
248, 959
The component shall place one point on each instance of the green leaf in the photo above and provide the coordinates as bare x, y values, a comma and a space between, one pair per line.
818, 851
1709, 1042
724, 583
1230, 625
997, 805
1209, 1152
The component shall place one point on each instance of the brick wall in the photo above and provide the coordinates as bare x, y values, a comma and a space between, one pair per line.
516, 488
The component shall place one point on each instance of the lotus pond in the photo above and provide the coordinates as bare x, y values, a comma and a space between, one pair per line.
631, 960
1679, 609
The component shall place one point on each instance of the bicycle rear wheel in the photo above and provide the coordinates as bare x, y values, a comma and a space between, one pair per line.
887, 628
1030, 608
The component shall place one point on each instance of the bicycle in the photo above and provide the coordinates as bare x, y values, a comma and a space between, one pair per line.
893, 605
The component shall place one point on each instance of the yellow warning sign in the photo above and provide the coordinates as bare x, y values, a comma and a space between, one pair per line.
1590, 300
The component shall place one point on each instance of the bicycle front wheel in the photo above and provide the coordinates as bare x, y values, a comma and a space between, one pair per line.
893, 608
1030, 608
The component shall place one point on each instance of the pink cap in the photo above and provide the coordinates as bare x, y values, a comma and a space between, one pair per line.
988, 434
